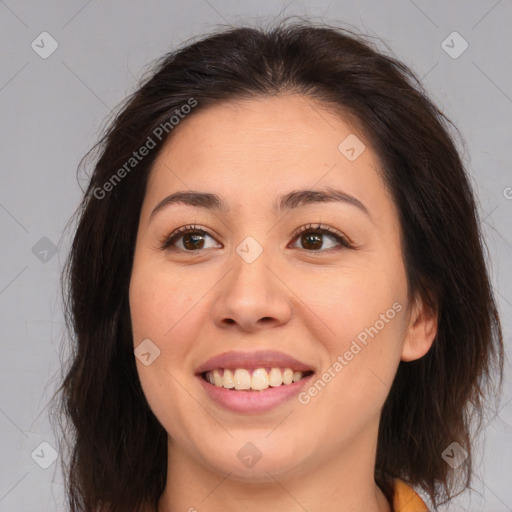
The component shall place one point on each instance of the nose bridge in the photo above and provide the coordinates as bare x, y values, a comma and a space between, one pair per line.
251, 291
251, 277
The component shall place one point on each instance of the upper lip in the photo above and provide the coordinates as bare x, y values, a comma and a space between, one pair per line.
253, 360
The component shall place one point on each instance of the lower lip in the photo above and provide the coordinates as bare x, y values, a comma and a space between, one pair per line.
253, 401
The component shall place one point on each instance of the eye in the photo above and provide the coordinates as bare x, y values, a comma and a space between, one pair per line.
311, 236
191, 237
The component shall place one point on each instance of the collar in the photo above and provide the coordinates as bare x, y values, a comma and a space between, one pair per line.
405, 499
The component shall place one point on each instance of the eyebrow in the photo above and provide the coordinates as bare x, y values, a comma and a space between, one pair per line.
292, 200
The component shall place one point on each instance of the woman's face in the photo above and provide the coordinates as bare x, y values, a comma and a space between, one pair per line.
243, 287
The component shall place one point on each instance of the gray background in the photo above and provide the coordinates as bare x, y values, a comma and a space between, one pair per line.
51, 113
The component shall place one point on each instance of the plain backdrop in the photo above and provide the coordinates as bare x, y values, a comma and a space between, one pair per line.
64, 67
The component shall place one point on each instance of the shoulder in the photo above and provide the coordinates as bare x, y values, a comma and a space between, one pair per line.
405, 499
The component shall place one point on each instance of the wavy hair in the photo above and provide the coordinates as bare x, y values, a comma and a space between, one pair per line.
116, 458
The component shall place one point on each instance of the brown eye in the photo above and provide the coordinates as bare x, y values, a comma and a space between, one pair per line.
187, 239
312, 238
193, 241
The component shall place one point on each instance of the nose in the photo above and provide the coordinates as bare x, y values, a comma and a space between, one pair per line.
252, 296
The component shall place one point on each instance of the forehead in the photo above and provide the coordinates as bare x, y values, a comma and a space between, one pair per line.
248, 149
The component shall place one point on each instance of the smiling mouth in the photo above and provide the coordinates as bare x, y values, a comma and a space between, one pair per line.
259, 379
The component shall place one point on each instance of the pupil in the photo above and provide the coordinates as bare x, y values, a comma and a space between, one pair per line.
310, 236
193, 245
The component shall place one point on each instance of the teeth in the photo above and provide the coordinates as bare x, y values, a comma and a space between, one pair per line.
217, 379
259, 379
275, 377
287, 376
227, 379
241, 379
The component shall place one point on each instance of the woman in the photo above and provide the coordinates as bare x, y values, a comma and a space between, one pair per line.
277, 288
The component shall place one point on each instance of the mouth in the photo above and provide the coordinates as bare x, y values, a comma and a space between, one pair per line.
258, 379
253, 382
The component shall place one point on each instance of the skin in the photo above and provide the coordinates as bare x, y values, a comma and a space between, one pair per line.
307, 302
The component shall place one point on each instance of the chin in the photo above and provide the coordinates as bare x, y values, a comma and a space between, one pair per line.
257, 462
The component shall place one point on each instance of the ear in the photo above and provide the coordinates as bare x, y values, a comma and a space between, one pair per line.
421, 331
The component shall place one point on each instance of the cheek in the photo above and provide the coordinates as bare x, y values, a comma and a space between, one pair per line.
364, 315
350, 303
157, 302
361, 360
169, 308
158, 313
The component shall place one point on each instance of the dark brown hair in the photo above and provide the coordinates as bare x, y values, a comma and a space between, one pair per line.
117, 457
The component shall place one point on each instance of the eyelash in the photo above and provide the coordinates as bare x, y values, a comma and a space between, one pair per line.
317, 229
323, 230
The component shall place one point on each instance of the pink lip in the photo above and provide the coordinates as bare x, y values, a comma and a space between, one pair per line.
253, 401
253, 360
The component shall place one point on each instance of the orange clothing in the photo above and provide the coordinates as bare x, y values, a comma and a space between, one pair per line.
405, 499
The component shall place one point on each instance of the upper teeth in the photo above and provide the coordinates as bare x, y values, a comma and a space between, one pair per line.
259, 379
